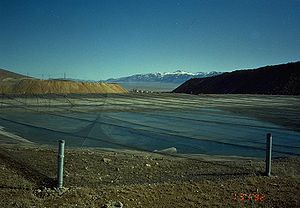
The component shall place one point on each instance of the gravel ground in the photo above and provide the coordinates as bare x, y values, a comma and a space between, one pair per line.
95, 177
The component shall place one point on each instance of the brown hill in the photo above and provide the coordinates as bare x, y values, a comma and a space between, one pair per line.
283, 79
4, 74
12, 83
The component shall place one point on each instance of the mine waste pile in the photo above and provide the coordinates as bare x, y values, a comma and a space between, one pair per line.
25, 85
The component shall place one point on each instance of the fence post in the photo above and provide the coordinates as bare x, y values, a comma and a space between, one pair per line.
60, 163
268, 154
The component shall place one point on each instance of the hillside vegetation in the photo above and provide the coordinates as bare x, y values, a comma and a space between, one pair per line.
12, 83
283, 79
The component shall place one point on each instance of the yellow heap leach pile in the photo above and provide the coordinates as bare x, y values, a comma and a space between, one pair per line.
36, 86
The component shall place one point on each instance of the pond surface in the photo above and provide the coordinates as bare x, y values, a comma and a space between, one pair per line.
203, 131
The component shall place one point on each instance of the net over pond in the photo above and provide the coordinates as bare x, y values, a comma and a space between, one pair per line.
191, 128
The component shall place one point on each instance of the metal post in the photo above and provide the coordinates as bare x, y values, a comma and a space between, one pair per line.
268, 154
60, 163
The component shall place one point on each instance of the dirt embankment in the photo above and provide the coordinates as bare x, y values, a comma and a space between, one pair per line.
94, 178
35, 86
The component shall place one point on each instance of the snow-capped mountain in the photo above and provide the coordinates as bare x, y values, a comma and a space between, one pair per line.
178, 76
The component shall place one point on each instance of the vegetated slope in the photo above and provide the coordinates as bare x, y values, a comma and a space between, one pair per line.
283, 79
12, 83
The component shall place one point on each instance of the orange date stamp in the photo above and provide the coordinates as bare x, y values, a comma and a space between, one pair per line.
249, 197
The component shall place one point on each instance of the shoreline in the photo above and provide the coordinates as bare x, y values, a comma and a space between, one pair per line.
24, 143
9, 137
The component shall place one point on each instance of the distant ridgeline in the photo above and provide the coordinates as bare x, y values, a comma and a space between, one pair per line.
12, 83
163, 77
283, 79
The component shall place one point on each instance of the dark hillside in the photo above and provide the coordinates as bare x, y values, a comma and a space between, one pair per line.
283, 79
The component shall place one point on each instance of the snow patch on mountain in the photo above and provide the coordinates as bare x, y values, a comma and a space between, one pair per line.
178, 76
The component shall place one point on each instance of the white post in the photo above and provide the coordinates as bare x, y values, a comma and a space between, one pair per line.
268, 154
60, 163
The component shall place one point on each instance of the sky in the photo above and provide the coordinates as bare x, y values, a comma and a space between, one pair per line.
97, 40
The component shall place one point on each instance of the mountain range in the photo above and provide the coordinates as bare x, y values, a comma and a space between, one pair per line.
178, 76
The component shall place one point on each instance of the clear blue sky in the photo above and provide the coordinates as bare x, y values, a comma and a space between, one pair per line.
101, 39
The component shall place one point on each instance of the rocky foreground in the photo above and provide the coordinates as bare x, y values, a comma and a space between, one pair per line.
103, 178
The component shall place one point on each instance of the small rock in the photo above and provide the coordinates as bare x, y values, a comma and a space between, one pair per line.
114, 204
106, 160
62, 190
171, 150
148, 165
